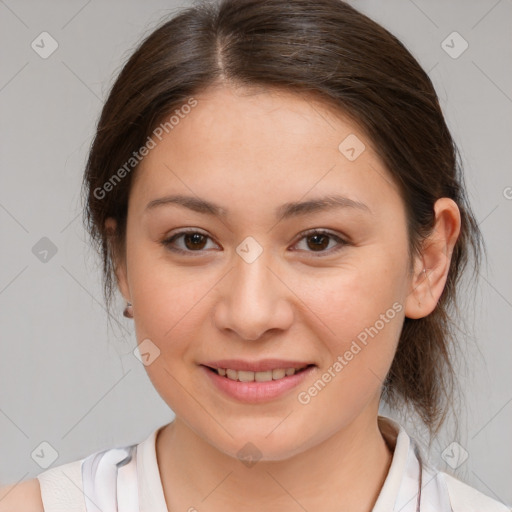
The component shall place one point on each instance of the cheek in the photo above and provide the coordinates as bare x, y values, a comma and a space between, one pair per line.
359, 324
350, 299
167, 311
166, 297
357, 312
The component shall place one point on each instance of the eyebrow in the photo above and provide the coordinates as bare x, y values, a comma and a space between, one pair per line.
285, 211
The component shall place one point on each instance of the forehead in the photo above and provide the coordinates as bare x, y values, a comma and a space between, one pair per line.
265, 143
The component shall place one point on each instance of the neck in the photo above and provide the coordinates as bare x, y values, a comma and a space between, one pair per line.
344, 472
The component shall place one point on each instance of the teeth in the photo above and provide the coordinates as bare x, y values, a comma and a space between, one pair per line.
263, 376
278, 374
231, 374
248, 376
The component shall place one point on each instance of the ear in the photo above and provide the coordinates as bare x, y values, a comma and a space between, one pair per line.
118, 262
427, 286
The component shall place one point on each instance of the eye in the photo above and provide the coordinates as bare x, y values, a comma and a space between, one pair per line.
320, 240
193, 240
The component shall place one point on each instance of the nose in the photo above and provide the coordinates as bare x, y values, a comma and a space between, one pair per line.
253, 300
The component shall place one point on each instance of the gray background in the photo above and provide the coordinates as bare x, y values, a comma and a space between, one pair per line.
69, 379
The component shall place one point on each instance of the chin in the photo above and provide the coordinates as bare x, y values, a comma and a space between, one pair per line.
257, 445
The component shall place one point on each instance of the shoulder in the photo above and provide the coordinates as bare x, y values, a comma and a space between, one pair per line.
62, 489
25, 496
56, 489
464, 498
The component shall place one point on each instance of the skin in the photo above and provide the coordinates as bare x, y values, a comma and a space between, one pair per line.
250, 151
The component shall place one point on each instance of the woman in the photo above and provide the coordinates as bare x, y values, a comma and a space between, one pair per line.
275, 193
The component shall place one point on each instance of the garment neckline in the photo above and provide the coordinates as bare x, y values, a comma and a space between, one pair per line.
151, 491
397, 438
150, 486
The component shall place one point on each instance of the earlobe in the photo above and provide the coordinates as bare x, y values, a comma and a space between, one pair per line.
433, 264
117, 262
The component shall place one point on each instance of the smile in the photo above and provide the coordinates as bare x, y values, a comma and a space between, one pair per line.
249, 376
250, 386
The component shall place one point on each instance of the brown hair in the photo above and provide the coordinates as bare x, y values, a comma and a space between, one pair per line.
312, 47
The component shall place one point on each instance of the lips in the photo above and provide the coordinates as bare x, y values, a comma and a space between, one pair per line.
253, 387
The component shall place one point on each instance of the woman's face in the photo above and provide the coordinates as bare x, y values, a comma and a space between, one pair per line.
251, 284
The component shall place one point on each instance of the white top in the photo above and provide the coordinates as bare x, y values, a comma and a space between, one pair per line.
127, 479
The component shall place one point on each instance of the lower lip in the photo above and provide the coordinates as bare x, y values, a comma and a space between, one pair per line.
257, 392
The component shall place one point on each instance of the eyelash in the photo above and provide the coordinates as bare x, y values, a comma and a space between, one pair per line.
168, 241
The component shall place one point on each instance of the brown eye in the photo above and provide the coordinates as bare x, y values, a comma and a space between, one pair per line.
191, 241
317, 241
194, 241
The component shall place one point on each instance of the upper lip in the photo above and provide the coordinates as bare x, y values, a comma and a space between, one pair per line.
256, 366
